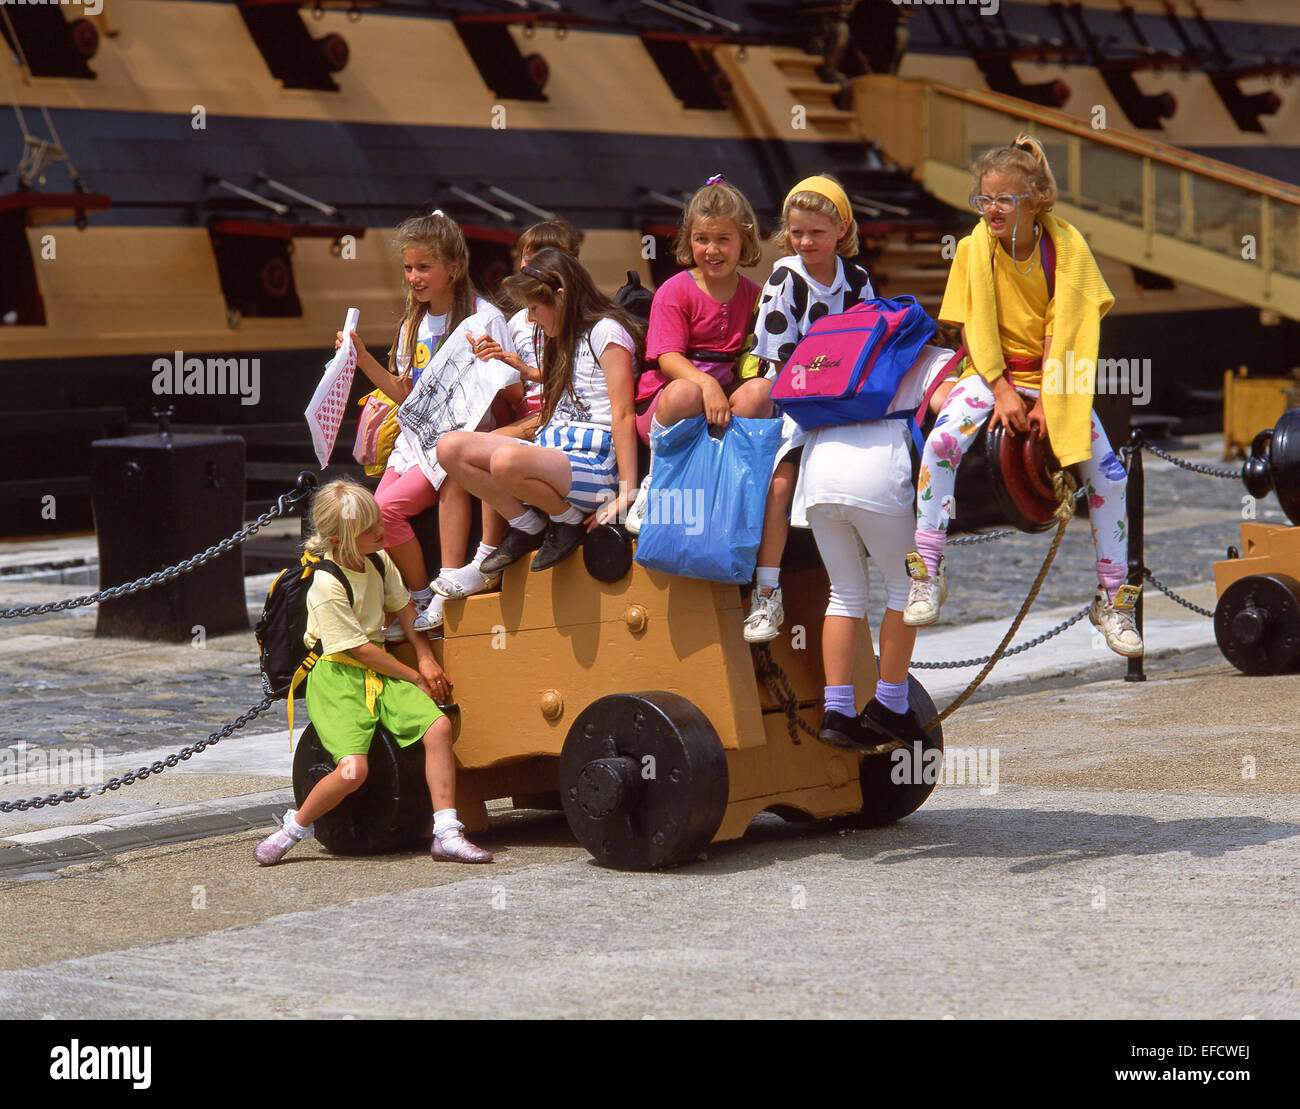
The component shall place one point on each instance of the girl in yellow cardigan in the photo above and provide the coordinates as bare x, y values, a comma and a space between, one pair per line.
1031, 336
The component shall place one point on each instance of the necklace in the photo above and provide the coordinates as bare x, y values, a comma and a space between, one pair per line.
1038, 232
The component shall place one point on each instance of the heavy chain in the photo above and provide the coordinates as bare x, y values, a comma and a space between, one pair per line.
1194, 467
778, 684
132, 776
286, 501
1174, 596
968, 540
1036, 641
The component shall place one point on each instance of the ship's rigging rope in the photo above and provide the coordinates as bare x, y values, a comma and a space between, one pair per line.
35, 150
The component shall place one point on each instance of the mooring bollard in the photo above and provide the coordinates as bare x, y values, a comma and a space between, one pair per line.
1136, 496
158, 500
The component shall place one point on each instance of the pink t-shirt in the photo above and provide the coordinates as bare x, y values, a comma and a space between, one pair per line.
682, 318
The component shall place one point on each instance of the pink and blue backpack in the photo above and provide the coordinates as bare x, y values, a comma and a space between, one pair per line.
846, 370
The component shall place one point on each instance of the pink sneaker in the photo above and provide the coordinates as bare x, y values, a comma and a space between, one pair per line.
272, 849
455, 848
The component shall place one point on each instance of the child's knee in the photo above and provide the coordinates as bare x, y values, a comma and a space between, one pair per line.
353, 770
450, 449
508, 461
439, 733
680, 400
753, 399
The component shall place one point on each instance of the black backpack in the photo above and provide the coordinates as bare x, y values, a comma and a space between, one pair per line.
284, 658
635, 297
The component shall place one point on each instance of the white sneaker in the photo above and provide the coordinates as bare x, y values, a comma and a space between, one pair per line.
926, 594
455, 584
1118, 621
636, 514
429, 617
763, 624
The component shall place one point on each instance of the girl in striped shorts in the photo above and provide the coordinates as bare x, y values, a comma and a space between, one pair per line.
579, 470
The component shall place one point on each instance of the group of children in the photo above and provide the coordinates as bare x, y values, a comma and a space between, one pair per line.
555, 453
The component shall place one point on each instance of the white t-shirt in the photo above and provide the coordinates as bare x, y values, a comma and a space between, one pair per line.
526, 341
869, 465
427, 338
791, 302
586, 403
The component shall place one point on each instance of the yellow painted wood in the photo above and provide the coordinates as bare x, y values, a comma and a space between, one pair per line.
1265, 549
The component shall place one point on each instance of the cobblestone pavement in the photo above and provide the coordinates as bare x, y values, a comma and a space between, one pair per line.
65, 687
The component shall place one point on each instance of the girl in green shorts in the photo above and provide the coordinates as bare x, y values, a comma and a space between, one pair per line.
346, 695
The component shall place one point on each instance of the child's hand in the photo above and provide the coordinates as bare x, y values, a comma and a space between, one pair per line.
1038, 419
485, 347
1008, 408
434, 680
356, 342
717, 409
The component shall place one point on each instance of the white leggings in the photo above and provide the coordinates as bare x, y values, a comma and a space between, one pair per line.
841, 532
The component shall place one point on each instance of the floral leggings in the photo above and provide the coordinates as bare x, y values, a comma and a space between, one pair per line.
965, 411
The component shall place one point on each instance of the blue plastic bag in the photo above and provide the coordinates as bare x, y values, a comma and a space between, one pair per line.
704, 518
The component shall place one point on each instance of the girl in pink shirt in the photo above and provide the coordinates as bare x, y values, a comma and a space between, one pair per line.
699, 321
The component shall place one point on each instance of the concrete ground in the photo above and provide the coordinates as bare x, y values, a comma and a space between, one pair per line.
1127, 850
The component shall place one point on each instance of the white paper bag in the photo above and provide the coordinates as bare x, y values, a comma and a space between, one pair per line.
330, 401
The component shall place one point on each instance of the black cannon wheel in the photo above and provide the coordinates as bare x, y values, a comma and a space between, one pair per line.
897, 783
1257, 623
643, 779
390, 812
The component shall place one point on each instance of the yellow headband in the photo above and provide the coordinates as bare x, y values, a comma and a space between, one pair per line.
823, 186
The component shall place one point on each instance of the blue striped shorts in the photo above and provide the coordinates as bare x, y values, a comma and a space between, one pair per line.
592, 463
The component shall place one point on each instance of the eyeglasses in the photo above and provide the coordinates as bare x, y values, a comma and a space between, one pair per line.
1003, 203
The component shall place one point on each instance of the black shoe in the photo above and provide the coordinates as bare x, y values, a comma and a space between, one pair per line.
844, 732
512, 548
561, 541
883, 727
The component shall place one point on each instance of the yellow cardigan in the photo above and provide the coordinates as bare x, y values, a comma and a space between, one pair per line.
1082, 298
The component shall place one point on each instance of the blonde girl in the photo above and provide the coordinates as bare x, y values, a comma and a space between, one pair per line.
1020, 328
569, 473
349, 526
699, 320
439, 298
818, 233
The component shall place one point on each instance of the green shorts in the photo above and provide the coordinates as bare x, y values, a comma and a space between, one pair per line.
336, 702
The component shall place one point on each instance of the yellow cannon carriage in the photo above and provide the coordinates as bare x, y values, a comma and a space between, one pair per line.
636, 706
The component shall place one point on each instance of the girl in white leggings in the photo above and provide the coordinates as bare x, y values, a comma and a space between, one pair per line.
855, 483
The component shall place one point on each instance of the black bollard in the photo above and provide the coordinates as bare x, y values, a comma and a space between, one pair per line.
1136, 496
158, 500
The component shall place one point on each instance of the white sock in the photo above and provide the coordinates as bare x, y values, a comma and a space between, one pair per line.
422, 597
445, 823
291, 825
483, 551
570, 515
529, 521
768, 577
